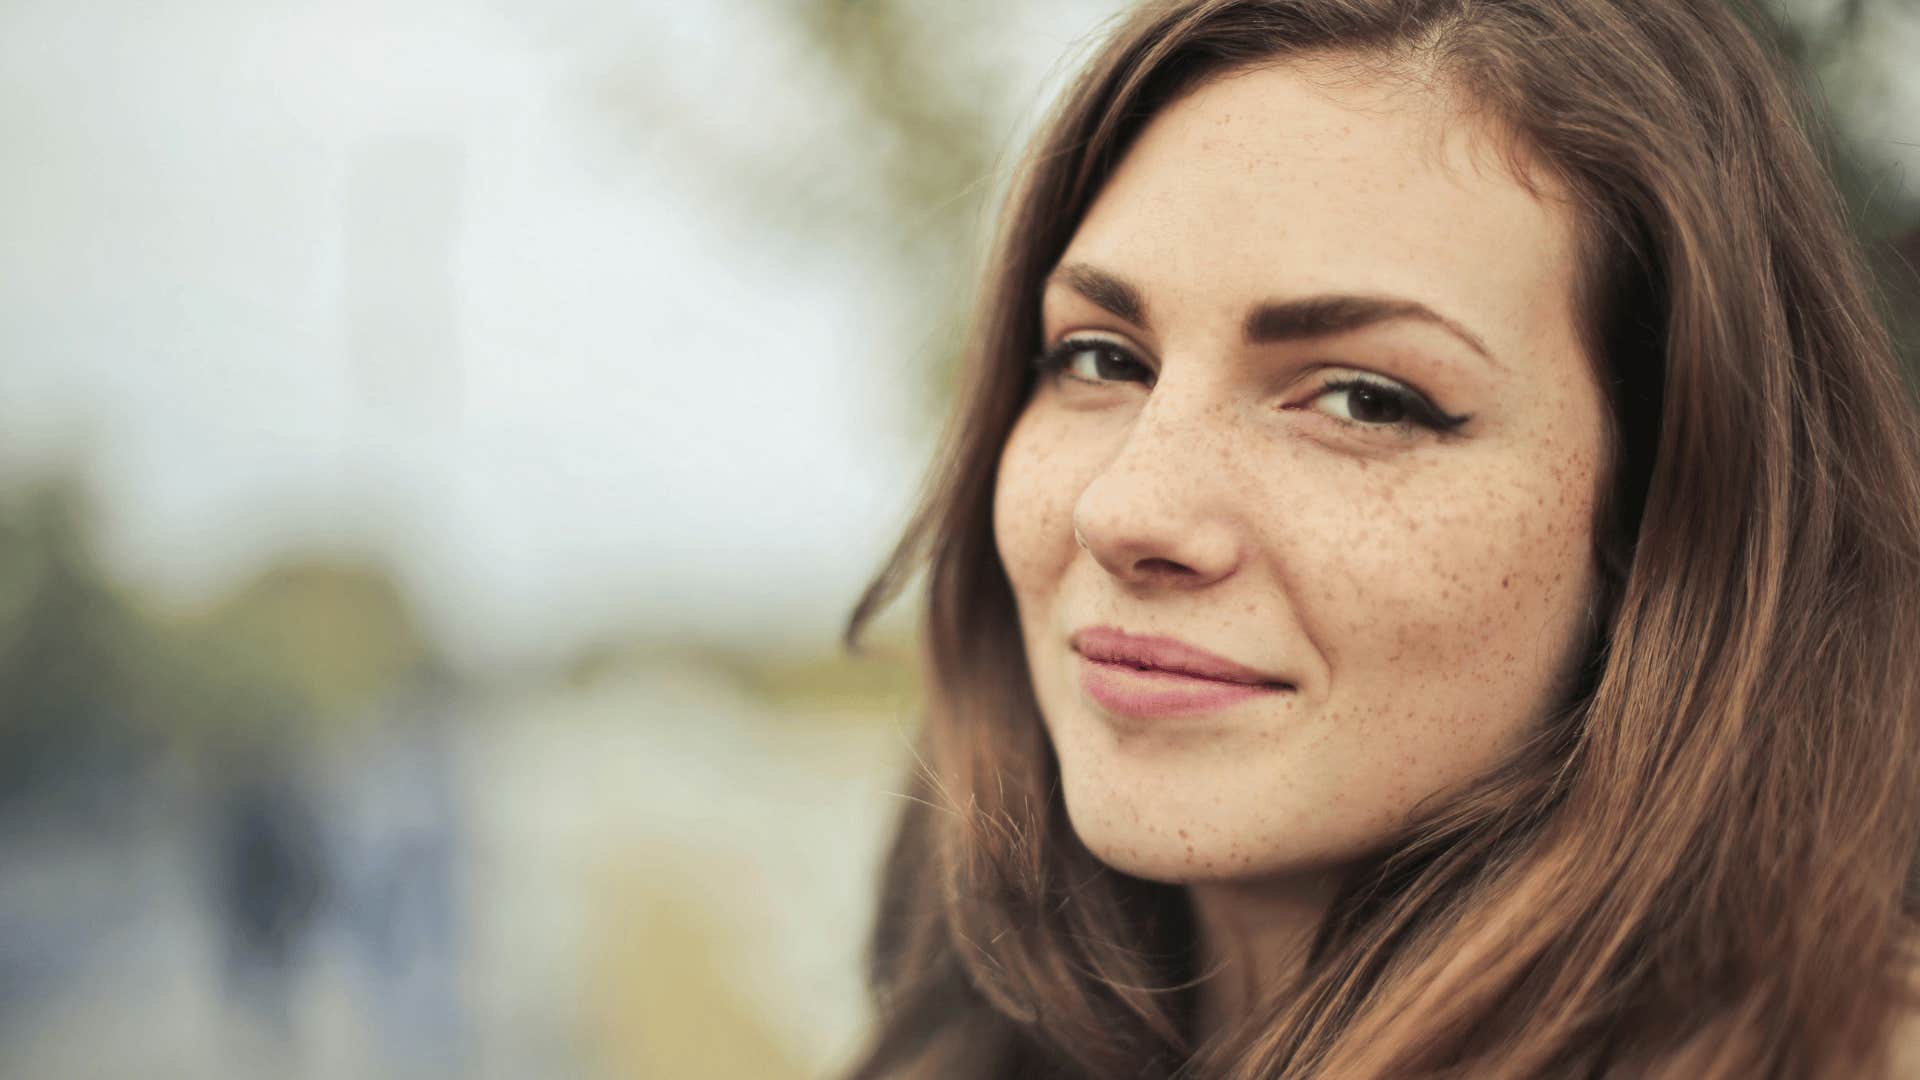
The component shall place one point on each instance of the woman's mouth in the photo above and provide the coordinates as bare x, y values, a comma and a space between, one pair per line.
1150, 677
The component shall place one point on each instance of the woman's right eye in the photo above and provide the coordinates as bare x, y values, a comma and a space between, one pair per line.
1096, 361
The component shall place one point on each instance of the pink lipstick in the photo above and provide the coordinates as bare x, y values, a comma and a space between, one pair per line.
1149, 677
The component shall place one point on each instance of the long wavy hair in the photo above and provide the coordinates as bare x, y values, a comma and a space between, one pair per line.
1702, 864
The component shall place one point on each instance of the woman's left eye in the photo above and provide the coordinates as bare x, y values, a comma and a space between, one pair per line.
1378, 403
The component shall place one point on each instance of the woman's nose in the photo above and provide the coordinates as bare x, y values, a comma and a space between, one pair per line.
1160, 512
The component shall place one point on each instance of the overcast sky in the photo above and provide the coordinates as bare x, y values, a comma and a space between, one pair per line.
376, 275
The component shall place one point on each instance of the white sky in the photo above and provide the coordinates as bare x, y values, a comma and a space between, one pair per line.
623, 403
612, 400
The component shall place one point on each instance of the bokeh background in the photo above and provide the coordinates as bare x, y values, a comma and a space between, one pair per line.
439, 442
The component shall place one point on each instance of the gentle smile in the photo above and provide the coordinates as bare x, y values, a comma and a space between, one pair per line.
1144, 677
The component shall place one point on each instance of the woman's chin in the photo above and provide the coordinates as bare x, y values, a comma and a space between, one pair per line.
1178, 852
1169, 868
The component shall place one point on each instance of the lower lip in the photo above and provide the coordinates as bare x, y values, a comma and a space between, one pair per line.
1130, 691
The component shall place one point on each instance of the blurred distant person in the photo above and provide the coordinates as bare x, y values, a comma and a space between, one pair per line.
272, 879
396, 830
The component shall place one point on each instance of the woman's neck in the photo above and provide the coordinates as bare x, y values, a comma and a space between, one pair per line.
1254, 938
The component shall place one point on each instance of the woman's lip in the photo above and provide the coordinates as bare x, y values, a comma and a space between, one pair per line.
1166, 656
1145, 677
1130, 691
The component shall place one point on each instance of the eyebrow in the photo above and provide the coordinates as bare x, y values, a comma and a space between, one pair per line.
1105, 290
1274, 321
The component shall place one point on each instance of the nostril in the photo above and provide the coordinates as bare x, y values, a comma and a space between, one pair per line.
1161, 566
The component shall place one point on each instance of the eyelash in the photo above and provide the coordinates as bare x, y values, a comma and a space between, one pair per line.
1418, 411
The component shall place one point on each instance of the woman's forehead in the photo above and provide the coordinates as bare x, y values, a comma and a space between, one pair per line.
1276, 181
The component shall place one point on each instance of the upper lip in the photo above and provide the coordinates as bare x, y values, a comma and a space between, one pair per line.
1111, 645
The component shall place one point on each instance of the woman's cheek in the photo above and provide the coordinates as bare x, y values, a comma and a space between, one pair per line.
1032, 505
1446, 583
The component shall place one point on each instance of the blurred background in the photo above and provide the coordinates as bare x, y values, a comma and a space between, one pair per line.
441, 442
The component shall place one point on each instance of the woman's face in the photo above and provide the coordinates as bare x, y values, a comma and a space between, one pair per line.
1299, 518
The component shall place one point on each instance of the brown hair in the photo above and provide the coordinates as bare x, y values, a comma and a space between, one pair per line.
1697, 867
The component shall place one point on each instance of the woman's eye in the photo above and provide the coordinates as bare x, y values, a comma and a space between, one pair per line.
1371, 403
1094, 361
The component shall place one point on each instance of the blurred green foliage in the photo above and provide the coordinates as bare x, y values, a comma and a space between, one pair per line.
98, 683
75, 656
335, 633
881, 683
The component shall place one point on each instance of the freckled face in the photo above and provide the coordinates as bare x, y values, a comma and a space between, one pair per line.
1377, 494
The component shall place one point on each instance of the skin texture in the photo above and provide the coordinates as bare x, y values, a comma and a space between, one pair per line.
1422, 592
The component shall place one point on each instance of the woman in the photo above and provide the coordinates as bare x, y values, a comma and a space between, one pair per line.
1419, 580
